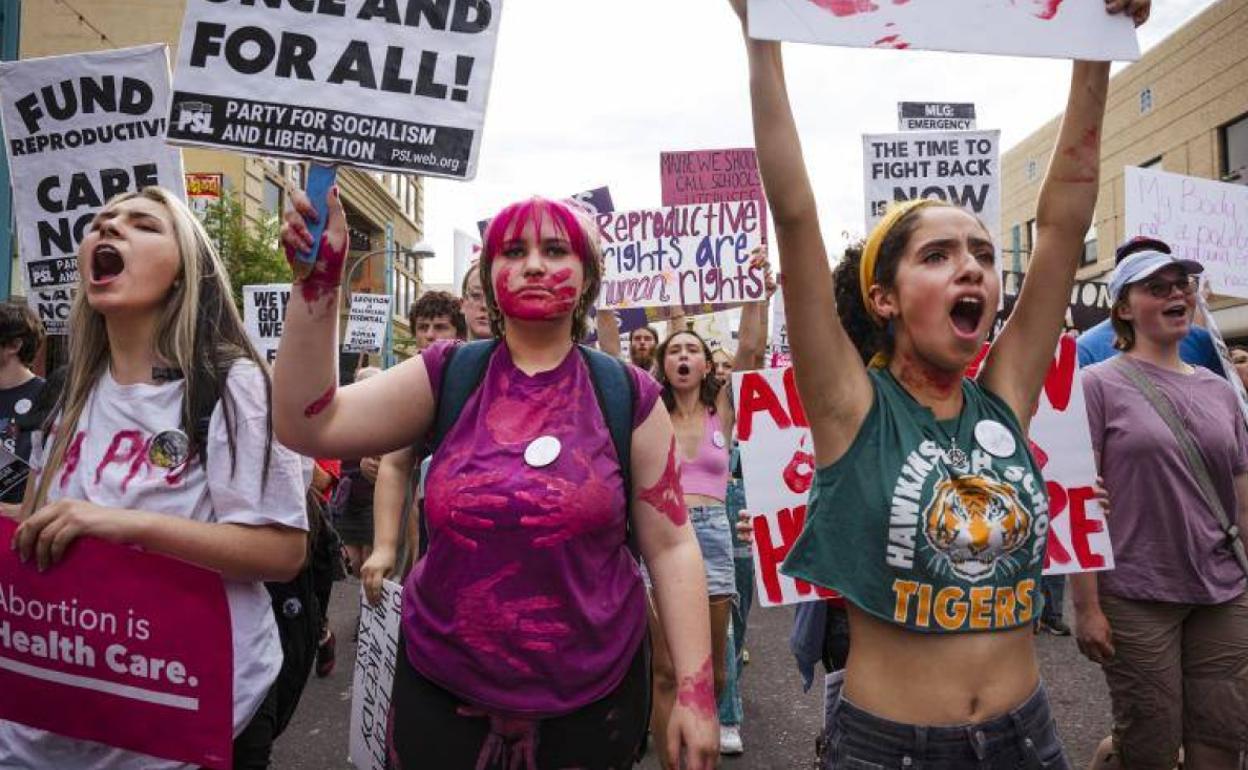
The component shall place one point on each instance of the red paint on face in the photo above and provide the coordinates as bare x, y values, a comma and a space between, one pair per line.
133, 439
665, 494
538, 299
697, 691
320, 404
73, 455
493, 626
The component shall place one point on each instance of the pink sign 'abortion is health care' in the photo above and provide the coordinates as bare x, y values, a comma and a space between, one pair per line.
121, 647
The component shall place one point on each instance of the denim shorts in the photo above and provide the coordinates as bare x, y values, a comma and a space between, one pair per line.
1023, 739
710, 524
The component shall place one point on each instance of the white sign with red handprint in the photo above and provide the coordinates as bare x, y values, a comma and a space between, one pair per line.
1079, 29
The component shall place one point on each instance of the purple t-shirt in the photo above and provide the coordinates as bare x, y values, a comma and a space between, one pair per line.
1168, 546
528, 602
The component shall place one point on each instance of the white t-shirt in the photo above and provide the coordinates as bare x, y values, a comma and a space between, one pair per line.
213, 495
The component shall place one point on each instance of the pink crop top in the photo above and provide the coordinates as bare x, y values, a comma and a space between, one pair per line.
707, 473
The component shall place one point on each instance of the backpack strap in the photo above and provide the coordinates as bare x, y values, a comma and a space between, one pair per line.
616, 391
462, 374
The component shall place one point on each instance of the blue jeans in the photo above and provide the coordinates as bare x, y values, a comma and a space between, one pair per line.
1023, 739
730, 709
1053, 588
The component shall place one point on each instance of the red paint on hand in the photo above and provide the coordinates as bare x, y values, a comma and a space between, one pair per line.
320, 404
665, 494
326, 275
697, 691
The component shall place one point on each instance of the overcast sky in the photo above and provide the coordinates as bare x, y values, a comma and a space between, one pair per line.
587, 94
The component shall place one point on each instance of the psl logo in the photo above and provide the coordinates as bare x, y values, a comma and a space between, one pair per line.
974, 522
195, 117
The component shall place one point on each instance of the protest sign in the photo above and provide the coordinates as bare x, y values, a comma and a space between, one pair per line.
1200, 219
118, 646
203, 190
1224, 355
79, 130
778, 354
961, 167
592, 202
390, 86
366, 323
376, 657
712, 176
1061, 444
682, 256
264, 312
1064, 29
935, 116
13, 469
1089, 302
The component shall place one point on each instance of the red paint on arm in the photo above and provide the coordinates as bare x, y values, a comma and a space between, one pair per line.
665, 494
320, 404
1086, 153
697, 691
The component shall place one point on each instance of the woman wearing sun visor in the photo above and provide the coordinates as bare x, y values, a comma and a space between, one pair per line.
1169, 624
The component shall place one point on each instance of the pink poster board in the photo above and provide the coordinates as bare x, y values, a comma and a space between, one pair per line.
121, 647
712, 176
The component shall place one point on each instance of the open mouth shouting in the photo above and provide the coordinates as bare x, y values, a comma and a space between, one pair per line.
966, 315
106, 264
682, 369
1175, 311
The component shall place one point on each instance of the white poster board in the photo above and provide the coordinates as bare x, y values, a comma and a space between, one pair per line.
79, 130
1064, 29
681, 256
375, 658
264, 312
366, 323
384, 85
778, 354
1200, 219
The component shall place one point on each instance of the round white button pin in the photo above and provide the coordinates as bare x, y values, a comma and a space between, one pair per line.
542, 451
718, 439
995, 439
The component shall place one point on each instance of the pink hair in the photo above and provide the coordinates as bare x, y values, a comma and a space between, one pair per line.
509, 223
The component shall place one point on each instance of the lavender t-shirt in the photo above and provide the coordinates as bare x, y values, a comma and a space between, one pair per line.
1167, 543
528, 602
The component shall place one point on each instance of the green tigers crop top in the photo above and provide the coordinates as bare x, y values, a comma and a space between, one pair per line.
936, 526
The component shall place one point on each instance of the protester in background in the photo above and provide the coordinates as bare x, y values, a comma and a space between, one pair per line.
21, 335
721, 360
928, 512
1239, 358
642, 343
524, 622
703, 418
159, 349
1097, 344
436, 315
472, 303
1169, 624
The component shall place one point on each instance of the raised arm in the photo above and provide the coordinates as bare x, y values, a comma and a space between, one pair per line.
608, 332
1018, 361
752, 334
310, 414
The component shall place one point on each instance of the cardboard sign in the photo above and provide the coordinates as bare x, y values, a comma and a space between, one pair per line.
376, 657
935, 116
961, 167
683, 256
79, 130
118, 646
13, 470
1200, 219
367, 323
203, 190
1065, 29
778, 353
390, 86
1224, 355
264, 312
712, 176
592, 202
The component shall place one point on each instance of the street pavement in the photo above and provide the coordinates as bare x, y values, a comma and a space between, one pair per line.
781, 722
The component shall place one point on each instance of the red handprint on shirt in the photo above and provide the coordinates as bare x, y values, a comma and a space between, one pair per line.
494, 626
570, 509
448, 500
515, 416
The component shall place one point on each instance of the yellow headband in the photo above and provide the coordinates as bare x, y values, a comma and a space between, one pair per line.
871, 251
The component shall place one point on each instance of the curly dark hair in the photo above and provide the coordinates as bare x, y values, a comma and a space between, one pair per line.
432, 304
707, 391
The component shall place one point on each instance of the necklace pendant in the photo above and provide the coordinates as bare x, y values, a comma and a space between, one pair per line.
956, 457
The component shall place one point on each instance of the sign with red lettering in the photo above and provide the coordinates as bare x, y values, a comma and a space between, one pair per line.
712, 176
120, 647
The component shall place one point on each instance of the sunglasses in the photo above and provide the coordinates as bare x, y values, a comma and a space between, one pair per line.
1161, 288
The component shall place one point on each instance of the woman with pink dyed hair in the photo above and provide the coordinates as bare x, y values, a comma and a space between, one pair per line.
524, 625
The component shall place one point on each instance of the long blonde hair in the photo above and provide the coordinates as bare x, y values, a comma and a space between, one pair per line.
199, 333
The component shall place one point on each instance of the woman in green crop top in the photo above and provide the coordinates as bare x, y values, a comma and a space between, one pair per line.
928, 512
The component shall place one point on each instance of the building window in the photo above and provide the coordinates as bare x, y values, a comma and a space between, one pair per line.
1235, 150
1146, 101
1089, 252
272, 197
1033, 170
1029, 236
1154, 163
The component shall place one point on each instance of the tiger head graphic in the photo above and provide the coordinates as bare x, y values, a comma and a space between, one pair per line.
973, 522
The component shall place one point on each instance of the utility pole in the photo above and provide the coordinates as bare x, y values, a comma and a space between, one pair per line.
10, 36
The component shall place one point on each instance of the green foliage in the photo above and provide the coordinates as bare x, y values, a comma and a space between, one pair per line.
249, 246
